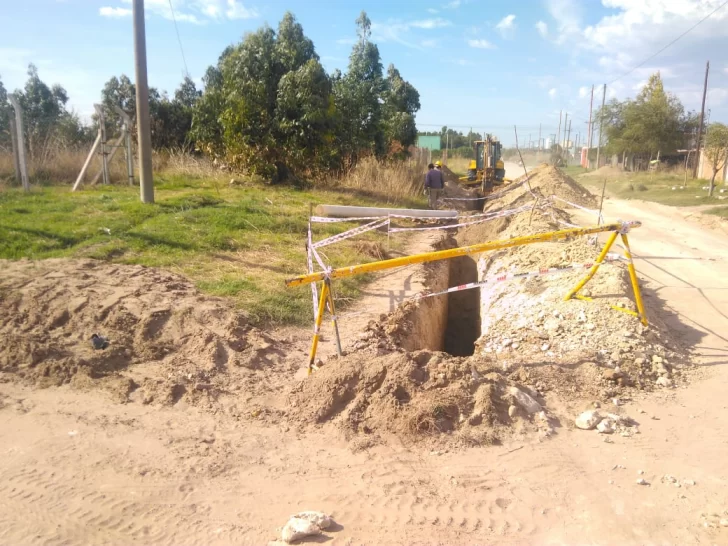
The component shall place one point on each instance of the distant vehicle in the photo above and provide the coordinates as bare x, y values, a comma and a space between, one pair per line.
487, 169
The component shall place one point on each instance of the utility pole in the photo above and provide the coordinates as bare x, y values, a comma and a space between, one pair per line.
558, 133
591, 106
601, 123
20, 140
566, 119
700, 126
146, 185
14, 145
568, 136
539, 137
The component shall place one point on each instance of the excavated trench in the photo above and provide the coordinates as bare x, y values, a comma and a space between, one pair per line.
463, 309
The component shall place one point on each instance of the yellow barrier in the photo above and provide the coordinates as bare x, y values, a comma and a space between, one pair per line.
456, 252
326, 298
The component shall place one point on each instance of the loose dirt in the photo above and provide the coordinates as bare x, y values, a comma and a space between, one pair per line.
387, 440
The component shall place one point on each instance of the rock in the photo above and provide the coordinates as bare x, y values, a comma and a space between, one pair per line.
640, 472
724, 522
607, 426
545, 347
323, 521
588, 420
689, 482
611, 375
524, 400
663, 381
615, 356
512, 411
656, 359
590, 326
515, 345
669, 479
642, 481
597, 404
506, 342
616, 401
298, 528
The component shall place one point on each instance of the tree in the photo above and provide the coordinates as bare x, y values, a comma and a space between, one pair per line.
5, 112
400, 103
716, 149
187, 94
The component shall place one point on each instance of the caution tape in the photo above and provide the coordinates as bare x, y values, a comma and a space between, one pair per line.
309, 263
501, 214
324, 219
507, 190
593, 211
515, 276
351, 233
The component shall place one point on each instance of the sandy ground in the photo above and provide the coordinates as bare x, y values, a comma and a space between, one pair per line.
77, 468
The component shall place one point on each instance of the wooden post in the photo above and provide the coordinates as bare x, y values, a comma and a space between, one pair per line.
601, 123
126, 128
116, 145
87, 162
104, 155
14, 144
20, 136
700, 125
146, 182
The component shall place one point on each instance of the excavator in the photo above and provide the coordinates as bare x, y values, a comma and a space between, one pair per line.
487, 169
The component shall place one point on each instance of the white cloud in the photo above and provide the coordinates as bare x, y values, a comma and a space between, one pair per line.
543, 29
725, 70
583, 92
568, 16
481, 44
108, 11
236, 10
453, 4
552, 93
198, 12
437, 22
506, 26
432, 10
428, 43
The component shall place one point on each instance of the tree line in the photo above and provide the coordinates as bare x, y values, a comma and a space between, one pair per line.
268, 107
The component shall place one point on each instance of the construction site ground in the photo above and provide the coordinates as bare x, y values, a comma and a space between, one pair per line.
180, 453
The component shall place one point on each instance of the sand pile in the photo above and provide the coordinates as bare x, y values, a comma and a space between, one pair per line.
413, 395
168, 342
551, 181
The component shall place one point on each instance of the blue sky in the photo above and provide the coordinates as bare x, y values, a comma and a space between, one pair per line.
488, 64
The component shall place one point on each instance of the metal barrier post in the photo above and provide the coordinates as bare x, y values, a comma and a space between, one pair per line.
635, 283
594, 268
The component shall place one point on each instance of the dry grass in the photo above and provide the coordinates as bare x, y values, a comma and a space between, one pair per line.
63, 166
392, 182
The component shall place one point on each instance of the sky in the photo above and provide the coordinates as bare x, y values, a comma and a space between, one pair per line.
485, 64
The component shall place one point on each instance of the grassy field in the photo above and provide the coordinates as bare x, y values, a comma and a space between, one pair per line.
665, 188
239, 242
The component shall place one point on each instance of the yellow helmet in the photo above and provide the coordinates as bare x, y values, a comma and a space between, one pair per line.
438, 163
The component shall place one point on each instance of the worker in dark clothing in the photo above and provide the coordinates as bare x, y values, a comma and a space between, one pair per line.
434, 183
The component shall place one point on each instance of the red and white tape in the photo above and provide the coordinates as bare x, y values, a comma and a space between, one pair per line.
600, 218
501, 214
309, 263
515, 276
351, 233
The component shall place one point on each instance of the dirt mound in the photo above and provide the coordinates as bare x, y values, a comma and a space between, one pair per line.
413, 395
552, 181
167, 342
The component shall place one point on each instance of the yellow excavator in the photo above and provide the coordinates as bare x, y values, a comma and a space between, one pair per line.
487, 169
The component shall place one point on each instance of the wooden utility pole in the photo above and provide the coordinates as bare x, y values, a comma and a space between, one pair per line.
700, 126
601, 123
14, 145
142, 105
568, 137
591, 106
558, 133
20, 132
563, 140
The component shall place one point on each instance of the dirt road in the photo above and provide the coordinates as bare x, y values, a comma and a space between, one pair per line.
79, 469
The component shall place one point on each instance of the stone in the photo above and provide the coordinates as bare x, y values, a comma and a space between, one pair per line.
642, 481
640, 361
545, 347
588, 420
590, 326
640, 472
663, 381
656, 359
324, 521
611, 375
607, 426
616, 401
615, 356
512, 411
524, 400
689, 482
298, 528
724, 522
515, 345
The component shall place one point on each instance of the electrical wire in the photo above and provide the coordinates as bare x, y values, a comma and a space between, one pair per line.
671, 43
179, 40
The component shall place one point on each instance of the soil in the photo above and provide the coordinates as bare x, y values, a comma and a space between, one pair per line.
402, 446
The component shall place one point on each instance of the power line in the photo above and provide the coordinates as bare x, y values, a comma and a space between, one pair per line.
179, 40
671, 43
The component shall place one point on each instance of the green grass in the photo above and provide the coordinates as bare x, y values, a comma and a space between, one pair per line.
236, 242
657, 187
574, 170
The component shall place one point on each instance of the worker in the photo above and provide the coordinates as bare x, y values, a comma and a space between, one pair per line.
434, 183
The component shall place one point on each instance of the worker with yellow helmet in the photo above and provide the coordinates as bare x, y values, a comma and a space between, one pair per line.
434, 183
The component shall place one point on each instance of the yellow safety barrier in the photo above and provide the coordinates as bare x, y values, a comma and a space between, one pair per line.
620, 228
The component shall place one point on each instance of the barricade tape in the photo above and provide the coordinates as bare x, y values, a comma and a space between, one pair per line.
351, 233
324, 219
501, 214
593, 211
309, 262
320, 262
496, 213
515, 276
